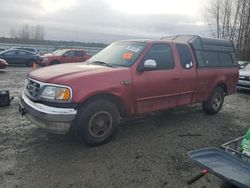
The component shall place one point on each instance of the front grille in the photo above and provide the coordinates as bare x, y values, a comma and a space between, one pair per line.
246, 86
247, 78
32, 88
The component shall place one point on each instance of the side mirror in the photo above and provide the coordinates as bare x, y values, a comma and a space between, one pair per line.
150, 64
65, 55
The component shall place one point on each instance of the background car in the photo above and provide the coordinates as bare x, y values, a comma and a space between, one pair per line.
3, 64
242, 63
64, 56
244, 77
2, 49
20, 57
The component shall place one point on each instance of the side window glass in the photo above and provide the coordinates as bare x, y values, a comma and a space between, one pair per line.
163, 56
10, 53
70, 53
225, 59
185, 56
22, 53
210, 58
79, 53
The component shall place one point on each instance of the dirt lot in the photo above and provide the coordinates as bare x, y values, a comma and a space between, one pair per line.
145, 152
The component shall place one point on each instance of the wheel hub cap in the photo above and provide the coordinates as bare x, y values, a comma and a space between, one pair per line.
100, 124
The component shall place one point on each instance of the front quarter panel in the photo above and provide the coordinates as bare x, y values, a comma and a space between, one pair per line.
117, 83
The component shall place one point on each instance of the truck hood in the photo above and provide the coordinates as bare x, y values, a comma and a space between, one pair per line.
244, 72
50, 55
61, 74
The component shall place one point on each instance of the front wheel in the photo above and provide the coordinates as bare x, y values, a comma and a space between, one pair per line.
54, 63
215, 101
30, 63
225, 184
96, 121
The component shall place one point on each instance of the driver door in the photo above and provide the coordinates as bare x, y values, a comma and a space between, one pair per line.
158, 88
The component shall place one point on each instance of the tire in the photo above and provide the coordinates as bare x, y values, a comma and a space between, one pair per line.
225, 184
96, 122
30, 63
215, 101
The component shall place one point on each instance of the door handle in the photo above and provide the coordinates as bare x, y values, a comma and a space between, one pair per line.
126, 82
176, 78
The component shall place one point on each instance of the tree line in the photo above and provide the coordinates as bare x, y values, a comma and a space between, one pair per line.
35, 34
55, 43
230, 19
28, 32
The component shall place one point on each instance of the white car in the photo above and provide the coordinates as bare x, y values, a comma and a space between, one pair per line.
244, 77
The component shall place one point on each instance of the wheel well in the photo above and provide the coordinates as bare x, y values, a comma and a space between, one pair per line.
114, 99
54, 62
223, 86
30, 62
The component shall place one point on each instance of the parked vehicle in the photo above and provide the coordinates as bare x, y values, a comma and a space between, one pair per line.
20, 57
64, 56
244, 77
3, 64
26, 48
129, 78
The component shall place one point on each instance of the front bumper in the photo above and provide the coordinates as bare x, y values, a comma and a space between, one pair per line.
56, 120
243, 84
42, 64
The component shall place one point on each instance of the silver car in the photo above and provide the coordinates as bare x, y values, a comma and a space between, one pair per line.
244, 77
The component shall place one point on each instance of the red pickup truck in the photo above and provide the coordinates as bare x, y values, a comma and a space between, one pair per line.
129, 78
64, 56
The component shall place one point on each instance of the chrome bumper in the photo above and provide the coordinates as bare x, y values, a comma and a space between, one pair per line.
243, 84
56, 120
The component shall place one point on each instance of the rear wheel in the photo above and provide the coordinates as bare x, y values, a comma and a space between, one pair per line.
215, 101
95, 122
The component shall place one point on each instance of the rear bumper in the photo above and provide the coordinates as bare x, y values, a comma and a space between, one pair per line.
56, 120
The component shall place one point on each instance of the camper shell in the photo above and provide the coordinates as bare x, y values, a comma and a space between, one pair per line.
218, 51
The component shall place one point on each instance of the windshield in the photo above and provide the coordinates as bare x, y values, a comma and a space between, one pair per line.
122, 54
247, 66
59, 52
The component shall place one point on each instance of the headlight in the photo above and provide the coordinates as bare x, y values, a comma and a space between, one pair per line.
45, 59
56, 93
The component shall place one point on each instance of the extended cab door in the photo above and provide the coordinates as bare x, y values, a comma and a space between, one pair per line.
188, 76
157, 89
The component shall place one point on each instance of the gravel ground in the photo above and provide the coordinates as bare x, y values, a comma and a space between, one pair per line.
145, 152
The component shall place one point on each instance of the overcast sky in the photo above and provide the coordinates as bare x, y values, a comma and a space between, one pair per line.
105, 20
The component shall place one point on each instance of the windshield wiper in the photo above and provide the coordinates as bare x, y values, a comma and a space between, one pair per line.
100, 63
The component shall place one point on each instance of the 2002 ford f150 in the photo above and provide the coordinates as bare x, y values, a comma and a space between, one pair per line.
130, 78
